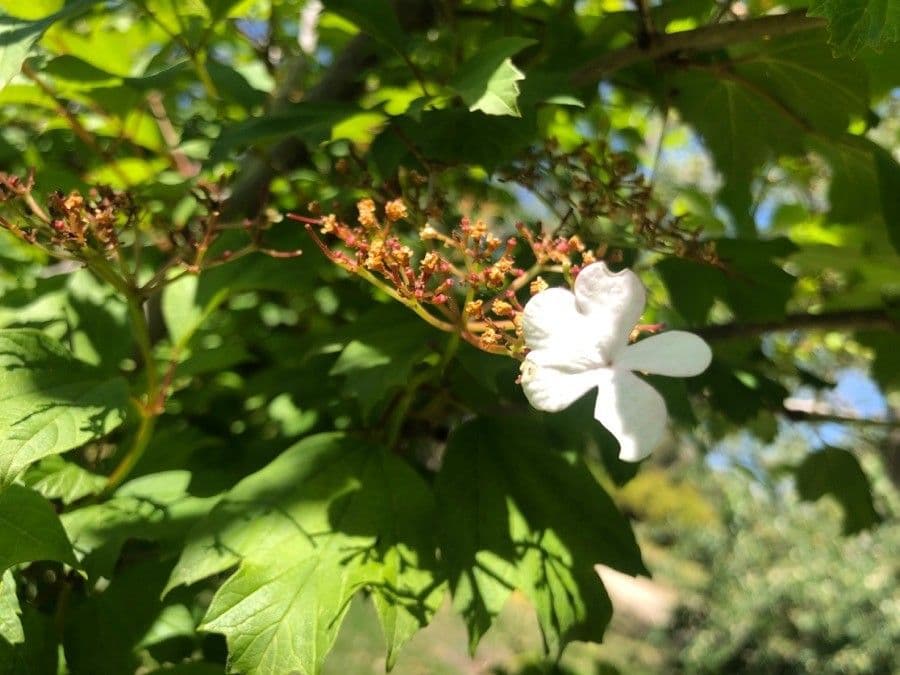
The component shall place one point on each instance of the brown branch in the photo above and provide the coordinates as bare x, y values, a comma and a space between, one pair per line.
800, 410
647, 32
342, 82
712, 36
185, 167
877, 319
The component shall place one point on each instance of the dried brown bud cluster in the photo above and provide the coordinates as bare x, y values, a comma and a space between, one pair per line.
592, 184
467, 281
79, 223
106, 225
71, 225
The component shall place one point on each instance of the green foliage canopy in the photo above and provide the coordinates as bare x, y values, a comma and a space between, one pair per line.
214, 439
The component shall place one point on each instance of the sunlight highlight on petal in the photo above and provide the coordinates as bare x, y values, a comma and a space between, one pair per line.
632, 411
613, 302
550, 389
675, 353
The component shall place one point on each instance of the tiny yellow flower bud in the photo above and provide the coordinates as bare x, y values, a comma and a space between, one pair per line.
375, 256
501, 308
473, 307
489, 337
395, 210
328, 224
366, 208
430, 262
538, 285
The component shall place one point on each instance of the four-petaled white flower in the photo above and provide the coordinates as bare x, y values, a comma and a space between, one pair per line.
579, 340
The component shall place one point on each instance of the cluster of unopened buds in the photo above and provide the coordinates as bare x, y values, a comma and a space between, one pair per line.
71, 224
467, 280
105, 225
77, 223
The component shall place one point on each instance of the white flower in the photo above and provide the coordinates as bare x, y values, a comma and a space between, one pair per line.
580, 340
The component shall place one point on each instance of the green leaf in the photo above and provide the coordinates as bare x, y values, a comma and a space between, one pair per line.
34, 9
104, 629
837, 472
384, 347
10, 623
30, 529
888, 171
375, 17
49, 401
38, 653
515, 513
886, 365
191, 668
184, 311
72, 72
488, 82
774, 99
853, 192
752, 282
235, 86
311, 122
155, 508
55, 478
87, 314
329, 516
17, 37
854, 24
455, 136
219, 9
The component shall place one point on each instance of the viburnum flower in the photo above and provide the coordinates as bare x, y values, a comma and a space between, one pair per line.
579, 341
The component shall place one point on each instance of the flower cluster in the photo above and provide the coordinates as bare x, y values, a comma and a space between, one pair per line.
78, 223
106, 226
468, 280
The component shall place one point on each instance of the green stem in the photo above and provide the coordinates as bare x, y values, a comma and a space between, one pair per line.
401, 409
398, 415
198, 59
141, 331
135, 452
148, 408
409, 302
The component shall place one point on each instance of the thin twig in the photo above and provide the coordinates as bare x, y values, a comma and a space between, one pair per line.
713, 36
869, 319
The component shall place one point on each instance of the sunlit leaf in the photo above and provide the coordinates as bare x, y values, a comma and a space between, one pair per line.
10, 623
513, 510
55, 478
854, 24
30, 529
50, 402
308, 531
156, 508
488, 82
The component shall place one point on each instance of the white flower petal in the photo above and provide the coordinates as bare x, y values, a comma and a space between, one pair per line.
613, 303
675, 353
551, 389
553, 326
632, 411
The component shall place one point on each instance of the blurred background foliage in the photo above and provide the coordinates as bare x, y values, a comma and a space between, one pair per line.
769, 517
